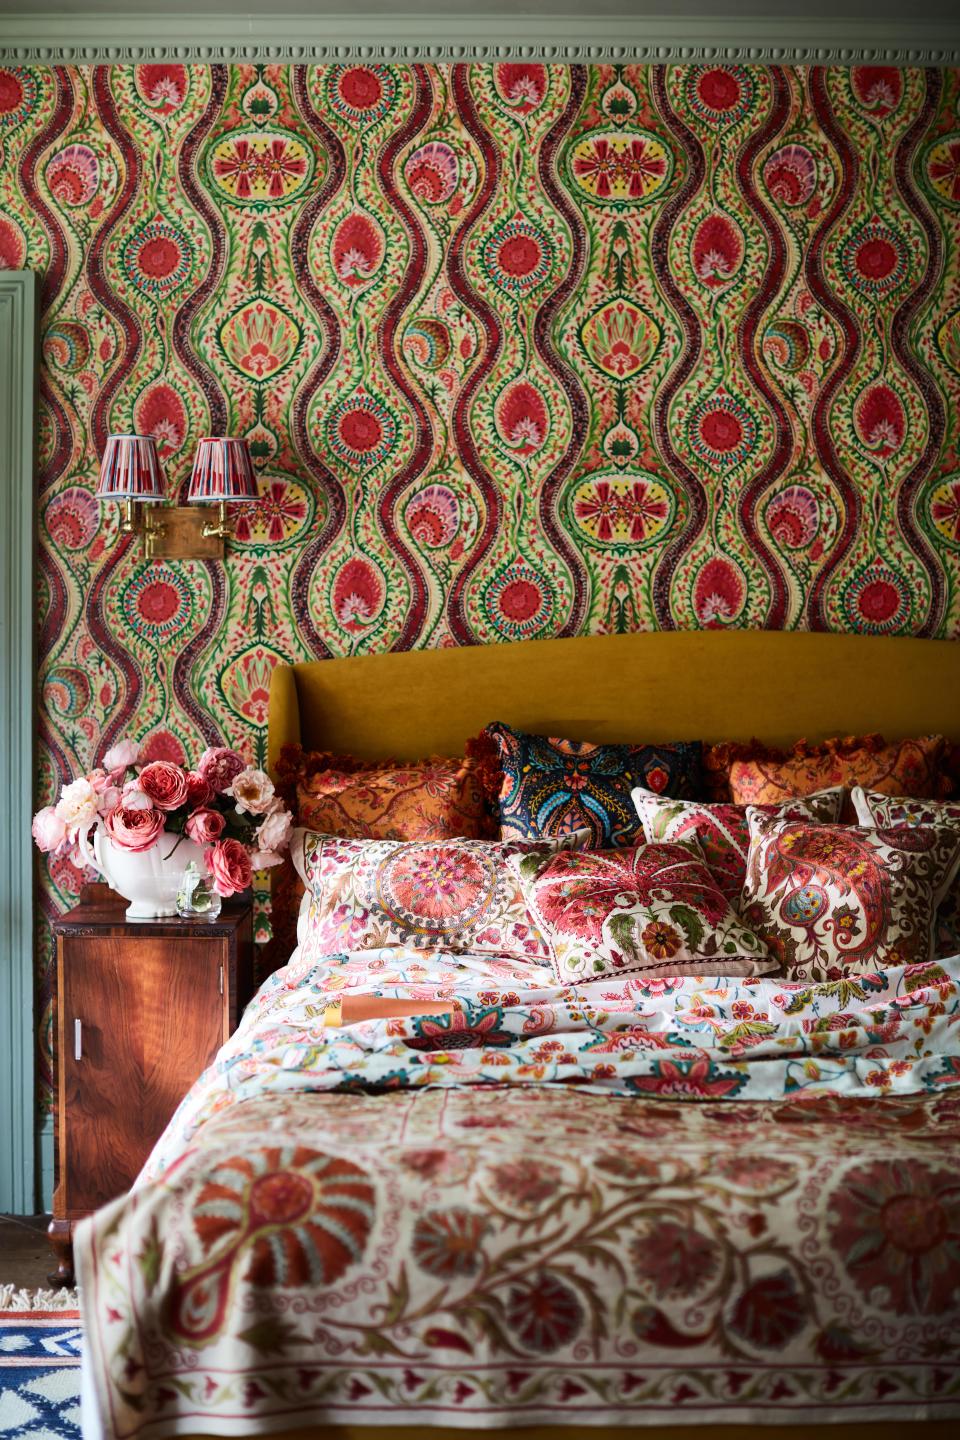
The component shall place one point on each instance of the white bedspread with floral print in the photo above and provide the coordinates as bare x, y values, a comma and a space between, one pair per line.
633, 1203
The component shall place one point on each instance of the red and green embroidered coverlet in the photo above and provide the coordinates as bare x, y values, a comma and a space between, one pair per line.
625, 1203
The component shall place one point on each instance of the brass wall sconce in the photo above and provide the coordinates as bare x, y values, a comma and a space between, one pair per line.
130, 473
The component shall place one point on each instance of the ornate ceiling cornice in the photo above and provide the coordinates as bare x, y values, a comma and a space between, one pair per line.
218, 38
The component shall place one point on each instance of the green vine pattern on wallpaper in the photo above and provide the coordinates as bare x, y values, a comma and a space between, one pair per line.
520, 349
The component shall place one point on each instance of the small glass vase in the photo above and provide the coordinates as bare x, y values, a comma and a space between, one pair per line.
196, 897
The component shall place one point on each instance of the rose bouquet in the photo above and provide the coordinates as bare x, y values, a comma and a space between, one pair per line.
224, 806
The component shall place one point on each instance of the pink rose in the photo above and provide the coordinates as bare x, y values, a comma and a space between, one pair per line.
204, 826
164, 784
229, 865
263, 859
274, 832
49, 831
253, 791
134, 829
199, 791
122, 755
77, 807
220, 767
133, 798
108, 799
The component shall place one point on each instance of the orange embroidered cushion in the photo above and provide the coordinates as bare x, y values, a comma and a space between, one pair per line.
904, 767
436, 799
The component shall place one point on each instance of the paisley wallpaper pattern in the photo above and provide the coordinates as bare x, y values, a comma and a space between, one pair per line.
520, 350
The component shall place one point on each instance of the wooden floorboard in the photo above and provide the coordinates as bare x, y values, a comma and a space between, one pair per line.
25, 1257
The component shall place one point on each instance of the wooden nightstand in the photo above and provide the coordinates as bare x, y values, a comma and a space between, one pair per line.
140, 1010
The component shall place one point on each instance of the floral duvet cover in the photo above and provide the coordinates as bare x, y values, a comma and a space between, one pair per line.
622, 1204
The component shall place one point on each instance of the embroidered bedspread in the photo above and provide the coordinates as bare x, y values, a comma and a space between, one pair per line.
534, 1209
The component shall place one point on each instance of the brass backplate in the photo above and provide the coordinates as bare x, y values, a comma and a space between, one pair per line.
182, 537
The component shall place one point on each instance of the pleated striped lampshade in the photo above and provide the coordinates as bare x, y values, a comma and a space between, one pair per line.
130, 469
222, 470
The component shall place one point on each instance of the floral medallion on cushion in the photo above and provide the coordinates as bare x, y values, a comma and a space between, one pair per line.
722, 831
907, 767
458, 895
838, 900
890, 813
551, 787
655, 908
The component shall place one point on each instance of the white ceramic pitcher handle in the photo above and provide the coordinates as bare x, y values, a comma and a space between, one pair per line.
98, 859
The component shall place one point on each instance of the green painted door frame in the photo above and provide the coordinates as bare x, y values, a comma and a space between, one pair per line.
18, 378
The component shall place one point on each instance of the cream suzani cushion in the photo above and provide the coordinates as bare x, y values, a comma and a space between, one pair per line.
458, 895
655, 909
722, 830
836, 900
892, 813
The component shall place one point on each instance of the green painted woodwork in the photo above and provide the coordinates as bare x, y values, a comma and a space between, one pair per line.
18, 372
925, 33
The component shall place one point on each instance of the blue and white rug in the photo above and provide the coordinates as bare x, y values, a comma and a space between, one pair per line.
39, 1365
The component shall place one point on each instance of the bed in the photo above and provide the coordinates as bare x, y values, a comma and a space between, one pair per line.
488, 1247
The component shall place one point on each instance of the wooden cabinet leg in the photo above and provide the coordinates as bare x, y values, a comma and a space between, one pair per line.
60, 1235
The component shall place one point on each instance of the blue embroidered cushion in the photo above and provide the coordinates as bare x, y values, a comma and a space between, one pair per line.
550, 787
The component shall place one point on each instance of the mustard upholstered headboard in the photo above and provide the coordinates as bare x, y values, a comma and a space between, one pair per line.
672, 685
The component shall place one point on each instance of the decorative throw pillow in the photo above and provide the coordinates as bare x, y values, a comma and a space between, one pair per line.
459, 895
836, 900
435, 799
375, 799
654, 909
906, 767
891, 813
551, 787
723, 831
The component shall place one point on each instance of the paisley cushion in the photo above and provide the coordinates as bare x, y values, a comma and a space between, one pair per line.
722, 830
551, 786
890, 813
655, 909
457, 895
906, 767
836, 900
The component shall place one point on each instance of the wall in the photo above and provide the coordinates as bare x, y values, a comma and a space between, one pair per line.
519, 349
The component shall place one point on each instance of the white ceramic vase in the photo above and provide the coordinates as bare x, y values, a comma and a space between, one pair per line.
147, 878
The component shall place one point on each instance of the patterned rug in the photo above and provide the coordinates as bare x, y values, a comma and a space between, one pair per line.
39, 1364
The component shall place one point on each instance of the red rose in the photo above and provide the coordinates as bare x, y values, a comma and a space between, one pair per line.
229, 864
164, 784
134, 829
204, 826
220, 767
199, 791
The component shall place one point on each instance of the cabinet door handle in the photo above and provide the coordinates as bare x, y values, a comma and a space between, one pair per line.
221, 977
77, 1040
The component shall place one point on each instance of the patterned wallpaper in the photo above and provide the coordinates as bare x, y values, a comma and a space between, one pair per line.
520, 350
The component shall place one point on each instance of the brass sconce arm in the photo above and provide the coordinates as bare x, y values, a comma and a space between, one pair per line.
138, 520
221, 529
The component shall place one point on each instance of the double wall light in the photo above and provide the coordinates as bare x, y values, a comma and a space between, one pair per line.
130, 473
